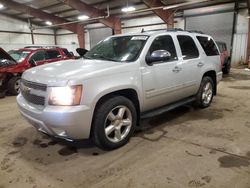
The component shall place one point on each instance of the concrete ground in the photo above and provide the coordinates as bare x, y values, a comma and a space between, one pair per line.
183, 148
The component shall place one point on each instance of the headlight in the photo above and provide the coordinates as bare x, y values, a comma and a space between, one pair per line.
65, 96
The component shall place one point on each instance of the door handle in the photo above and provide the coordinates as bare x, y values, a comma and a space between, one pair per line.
176, 69
200, 64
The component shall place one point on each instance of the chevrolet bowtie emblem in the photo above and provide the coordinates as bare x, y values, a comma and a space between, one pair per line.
26, 89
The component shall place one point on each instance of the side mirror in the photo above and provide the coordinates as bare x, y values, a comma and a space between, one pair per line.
32, 62
158, 55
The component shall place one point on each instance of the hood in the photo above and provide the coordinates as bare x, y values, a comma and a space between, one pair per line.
61, 72
5, 59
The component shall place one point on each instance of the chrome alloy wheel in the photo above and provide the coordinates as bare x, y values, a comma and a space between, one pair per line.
17, 85
207, 93
118, 124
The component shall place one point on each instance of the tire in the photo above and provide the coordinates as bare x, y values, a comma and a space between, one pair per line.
205, 94
2, 94
121, 127
227, 67
14, 85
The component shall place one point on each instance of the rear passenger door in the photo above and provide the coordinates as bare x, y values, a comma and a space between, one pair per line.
191, 65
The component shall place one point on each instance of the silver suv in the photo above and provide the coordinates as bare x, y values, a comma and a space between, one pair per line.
122, 79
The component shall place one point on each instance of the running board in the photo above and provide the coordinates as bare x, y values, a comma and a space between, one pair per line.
166, 108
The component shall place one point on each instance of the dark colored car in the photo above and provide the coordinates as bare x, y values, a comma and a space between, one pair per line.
15, 62
225, 57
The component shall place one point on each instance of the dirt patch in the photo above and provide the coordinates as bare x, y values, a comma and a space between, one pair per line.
196, 183
235, 77
207, 179
65, 151
37, 142
19, 142
240, 87
52, 143
43, 145
230, 161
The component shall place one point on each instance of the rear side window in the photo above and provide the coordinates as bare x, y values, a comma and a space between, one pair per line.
208, 46
67, 53
38, 56
53, 54
164, 43
188, 48
220, 46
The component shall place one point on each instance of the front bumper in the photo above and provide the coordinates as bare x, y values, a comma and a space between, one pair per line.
67, 122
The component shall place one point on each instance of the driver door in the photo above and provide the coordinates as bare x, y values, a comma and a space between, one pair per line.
38, 58
159, 79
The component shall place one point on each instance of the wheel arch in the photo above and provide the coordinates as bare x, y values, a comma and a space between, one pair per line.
212, 74
129, 93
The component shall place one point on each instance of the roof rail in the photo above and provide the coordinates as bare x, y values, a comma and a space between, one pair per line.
172, 29
167, 29
36, 46
194, 31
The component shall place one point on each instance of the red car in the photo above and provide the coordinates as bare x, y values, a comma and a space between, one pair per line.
225, 57
14, 63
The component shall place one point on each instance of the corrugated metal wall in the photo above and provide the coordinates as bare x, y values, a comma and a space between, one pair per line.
240, 38
239, 48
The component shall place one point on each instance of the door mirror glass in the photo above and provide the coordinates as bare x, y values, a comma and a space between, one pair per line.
158, 55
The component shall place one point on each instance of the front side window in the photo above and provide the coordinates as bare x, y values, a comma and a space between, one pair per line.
208, 46
188, 48
19, 55
53, 54
38, 56
164, 43
121, 49
67, 53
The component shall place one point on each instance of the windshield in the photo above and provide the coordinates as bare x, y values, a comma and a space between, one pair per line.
18, 55
123, 49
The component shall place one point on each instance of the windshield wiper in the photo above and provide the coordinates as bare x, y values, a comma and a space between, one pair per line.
86, 57
99, 56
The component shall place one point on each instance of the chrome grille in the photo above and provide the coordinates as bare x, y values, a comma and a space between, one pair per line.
34, 85
28, 90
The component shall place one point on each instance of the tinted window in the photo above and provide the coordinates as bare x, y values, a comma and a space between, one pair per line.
164, 43
53, 54
67, 53
38, 56
208, 46
220, 46
188, 47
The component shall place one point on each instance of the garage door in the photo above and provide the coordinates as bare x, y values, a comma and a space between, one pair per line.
96, 35
218, 25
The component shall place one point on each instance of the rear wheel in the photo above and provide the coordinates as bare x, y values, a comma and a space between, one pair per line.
227, 67
114, 123
14, 85
205, 94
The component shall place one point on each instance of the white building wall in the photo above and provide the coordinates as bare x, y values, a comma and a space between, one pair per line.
11, 40
153, 22
67, 39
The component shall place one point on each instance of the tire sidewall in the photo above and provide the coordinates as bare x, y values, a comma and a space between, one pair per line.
98, 126
11, 85
204, 81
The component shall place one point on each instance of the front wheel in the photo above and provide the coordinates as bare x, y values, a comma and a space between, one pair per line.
205, 94
14, 85
113, 123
